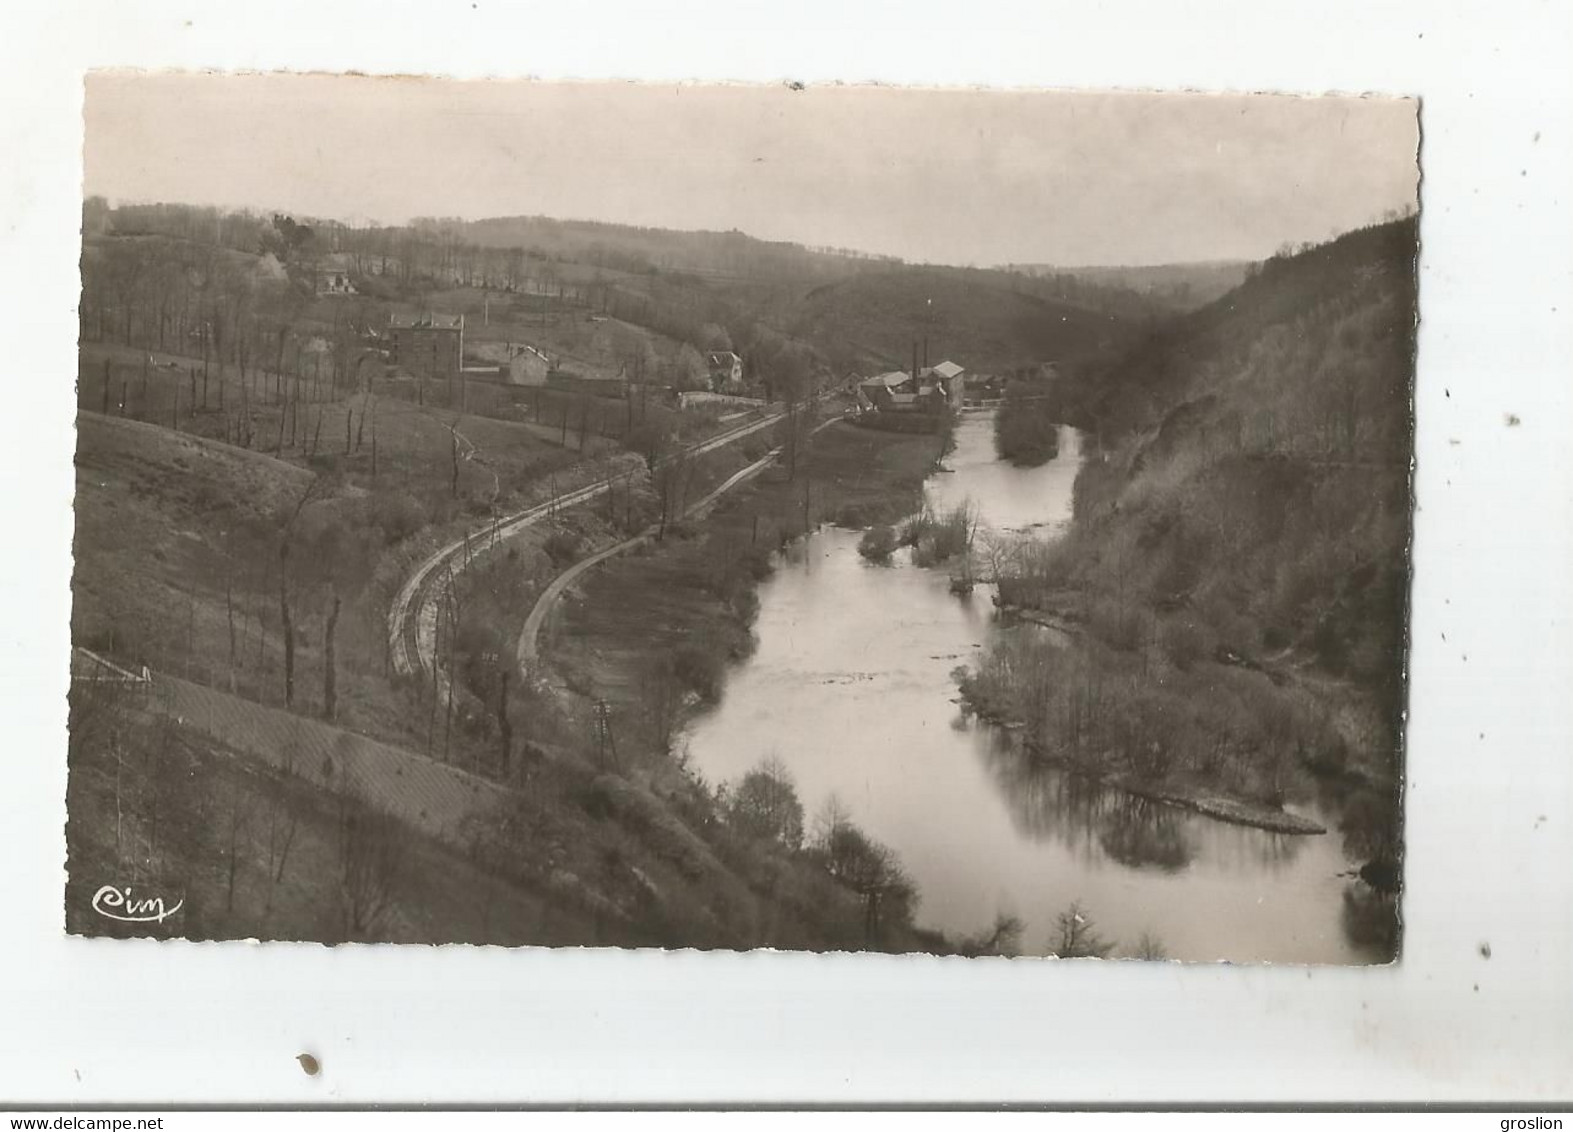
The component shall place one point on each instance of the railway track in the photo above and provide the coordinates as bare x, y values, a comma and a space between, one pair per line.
527, 650
412, 617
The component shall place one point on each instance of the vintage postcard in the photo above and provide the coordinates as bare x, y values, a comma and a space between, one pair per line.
729, 517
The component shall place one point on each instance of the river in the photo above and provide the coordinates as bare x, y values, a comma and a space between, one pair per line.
861, 704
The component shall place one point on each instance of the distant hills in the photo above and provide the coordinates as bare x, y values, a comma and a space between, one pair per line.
974, 318
1182, 286
638, 250
856, 309
703, 289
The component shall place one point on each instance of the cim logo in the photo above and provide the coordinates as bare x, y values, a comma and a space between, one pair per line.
118, 904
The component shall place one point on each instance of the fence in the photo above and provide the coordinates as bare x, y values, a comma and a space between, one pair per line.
696, 397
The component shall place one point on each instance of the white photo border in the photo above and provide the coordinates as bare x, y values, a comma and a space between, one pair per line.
1490, 773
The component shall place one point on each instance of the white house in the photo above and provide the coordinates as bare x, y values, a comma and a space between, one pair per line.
726, 370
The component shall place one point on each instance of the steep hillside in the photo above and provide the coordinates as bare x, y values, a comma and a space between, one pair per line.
1238, 559
979, 323
177, 566
1255, 482
1272, 347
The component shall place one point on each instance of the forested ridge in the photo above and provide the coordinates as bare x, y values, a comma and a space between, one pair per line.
1238, 560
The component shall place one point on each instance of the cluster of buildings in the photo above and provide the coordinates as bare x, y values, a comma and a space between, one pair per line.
930, 389
432, 345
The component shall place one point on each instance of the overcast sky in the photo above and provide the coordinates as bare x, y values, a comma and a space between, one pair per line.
944, 176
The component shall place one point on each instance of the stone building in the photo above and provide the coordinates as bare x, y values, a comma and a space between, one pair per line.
430, 345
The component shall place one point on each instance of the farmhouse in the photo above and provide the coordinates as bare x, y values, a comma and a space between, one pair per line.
726, 370
430, 345
331, 281
332, 275
526, 365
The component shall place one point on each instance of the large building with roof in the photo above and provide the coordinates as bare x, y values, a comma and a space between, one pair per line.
429, 345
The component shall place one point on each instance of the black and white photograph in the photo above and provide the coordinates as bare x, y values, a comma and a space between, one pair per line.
840, 558
816, 518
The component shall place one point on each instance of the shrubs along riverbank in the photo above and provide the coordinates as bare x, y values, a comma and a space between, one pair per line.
936, 537
1027, 424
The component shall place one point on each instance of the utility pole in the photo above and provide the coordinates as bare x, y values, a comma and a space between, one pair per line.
605, 741
928, 329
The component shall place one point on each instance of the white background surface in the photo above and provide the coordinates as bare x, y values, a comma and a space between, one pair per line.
1490, 808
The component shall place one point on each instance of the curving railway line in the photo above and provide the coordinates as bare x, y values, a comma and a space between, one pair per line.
412, 618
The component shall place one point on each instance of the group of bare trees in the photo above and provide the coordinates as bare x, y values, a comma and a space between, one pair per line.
1073, 936
670, 461
871, 870
764, 806
303, 564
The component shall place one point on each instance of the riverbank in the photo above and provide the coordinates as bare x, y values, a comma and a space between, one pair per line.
1196, 798
1220, 741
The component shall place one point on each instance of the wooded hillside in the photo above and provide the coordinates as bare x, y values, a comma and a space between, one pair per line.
1239, 555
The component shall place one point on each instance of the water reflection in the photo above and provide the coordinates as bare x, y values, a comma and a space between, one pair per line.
1048, 802
1144, 834
1370, 920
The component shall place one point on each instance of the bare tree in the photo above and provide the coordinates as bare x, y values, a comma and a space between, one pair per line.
1002, 938
371, 863
873, 872
1075, 936
282, 824
286, 619
238, 826
1150, 947
661, 698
